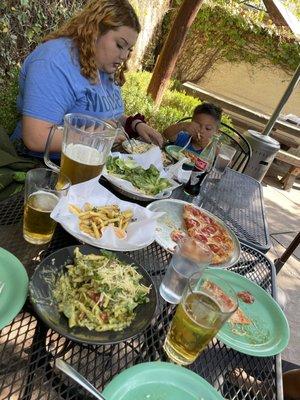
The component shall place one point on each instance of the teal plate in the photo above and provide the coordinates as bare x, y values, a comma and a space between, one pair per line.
173, 151
159, 381
269, 332
15, 287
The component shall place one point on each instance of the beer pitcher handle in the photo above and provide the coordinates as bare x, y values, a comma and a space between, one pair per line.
47, 160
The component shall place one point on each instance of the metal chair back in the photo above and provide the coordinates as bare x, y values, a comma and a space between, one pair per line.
234, 139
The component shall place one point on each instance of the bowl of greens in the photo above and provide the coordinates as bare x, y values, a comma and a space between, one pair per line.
136, 181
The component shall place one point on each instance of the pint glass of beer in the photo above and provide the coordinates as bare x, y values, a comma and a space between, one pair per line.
206, 305
43, 189
86, 143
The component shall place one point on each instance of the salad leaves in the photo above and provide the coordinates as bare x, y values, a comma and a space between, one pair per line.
147, 180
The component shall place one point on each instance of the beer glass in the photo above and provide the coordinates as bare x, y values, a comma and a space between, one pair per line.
43, 188
86, 143
206, 305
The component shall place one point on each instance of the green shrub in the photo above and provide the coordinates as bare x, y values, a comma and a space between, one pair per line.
8, 106
174, 106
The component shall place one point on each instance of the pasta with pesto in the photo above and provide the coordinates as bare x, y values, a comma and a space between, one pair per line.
100, 292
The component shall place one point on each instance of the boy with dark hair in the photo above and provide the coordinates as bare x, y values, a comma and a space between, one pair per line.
205, 122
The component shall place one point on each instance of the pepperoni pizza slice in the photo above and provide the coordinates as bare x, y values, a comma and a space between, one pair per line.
206, 230
238, 317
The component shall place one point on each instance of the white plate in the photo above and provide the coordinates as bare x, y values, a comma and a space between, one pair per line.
126, 188
172, 219
127, 147
89, 240
140, 232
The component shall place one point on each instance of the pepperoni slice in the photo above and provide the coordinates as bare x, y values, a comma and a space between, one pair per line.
246, 297
191, 223
215, 248
194, 211
177, 235
209, 230
218, 238
199, 236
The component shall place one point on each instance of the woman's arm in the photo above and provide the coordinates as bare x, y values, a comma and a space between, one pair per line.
35, 134
145, 131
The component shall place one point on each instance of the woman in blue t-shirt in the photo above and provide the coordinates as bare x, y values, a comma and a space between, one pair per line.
205, 122
79, 68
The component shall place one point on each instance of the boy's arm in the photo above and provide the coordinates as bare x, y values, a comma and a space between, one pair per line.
172, 131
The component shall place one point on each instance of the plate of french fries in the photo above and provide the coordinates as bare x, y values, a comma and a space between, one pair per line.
95, 216
93, 220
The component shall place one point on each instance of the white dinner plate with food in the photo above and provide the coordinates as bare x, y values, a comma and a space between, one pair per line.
143, 183
94, 215
77, 301
184, 219
135, 146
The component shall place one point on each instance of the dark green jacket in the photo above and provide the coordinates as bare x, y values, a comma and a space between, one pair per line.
12, 167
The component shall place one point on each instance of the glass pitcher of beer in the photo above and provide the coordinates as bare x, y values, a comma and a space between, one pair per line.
86, 144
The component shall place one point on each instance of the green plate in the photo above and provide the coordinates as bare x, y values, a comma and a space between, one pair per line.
173, 151
269, 332
14, 292
159, 381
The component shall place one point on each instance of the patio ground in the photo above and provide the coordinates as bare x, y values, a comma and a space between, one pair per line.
283, 215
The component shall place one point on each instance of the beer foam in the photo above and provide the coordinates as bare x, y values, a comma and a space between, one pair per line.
43, 201
83, 154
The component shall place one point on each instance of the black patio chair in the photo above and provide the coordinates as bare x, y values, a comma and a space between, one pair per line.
234, 139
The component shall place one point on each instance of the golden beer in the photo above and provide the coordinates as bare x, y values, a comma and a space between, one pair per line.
81, 163
38, 226
196, 322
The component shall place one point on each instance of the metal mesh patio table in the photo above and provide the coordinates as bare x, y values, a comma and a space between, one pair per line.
28, 347
238, 200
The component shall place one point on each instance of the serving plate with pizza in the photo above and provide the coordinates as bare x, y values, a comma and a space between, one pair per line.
259, 326
183, 219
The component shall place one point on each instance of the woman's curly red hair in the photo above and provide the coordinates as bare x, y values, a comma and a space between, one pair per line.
98, 17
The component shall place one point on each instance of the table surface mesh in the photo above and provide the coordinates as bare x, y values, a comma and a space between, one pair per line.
27, 347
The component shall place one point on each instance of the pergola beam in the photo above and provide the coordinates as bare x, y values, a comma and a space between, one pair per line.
274, 13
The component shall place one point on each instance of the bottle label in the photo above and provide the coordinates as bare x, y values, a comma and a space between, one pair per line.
195, 177
201, 165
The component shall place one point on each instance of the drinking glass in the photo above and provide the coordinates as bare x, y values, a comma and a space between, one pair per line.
189, 257
43, 189
207, 303
86, 143
224, 158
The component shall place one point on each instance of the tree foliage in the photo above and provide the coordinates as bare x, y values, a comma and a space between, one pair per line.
23, 23
231, 31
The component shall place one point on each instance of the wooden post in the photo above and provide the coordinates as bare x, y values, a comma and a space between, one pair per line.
171, 49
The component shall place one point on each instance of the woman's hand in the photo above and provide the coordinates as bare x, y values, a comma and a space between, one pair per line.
149, 134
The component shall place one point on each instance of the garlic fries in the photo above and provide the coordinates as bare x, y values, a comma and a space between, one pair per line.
93, 219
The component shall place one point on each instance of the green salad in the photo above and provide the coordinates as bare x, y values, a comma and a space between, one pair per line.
99, 292
147, 180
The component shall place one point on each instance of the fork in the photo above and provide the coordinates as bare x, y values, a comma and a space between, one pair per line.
186, 145
129, 139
